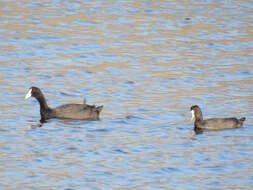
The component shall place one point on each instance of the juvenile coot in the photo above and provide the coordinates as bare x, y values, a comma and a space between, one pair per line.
213, 123
67, 111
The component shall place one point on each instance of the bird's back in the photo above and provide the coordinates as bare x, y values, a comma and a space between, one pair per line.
219, 123
77, 111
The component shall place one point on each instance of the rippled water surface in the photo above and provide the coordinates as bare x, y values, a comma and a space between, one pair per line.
147, 62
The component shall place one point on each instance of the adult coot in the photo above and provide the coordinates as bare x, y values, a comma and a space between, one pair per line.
67, 111
213, 123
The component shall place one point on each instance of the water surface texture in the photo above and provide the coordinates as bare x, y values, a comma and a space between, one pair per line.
147, 62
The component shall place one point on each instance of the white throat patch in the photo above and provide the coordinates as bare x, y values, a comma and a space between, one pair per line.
29, 94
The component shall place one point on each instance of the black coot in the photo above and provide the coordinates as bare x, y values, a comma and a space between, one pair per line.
213, 123
67, 111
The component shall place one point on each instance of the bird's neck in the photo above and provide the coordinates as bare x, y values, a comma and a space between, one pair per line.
43, 103
198, 117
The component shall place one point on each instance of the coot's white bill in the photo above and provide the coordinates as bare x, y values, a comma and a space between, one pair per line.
193, 116
29, 94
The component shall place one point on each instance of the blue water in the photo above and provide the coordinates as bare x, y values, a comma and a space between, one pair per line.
147, 63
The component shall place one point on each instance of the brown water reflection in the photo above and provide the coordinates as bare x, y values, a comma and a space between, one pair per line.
147, 62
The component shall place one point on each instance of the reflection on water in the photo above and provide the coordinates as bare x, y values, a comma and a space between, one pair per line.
147, 63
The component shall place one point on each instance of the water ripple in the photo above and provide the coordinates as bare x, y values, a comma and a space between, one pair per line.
147, 62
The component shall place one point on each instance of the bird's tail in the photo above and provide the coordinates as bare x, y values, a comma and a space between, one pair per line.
240, 121
99, 109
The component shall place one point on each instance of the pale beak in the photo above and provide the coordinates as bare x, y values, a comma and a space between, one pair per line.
193, 116
29, 94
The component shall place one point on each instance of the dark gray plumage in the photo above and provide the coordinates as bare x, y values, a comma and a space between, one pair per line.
214, 123
67, 111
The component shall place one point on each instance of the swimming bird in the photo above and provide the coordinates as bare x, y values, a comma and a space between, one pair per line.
66, 111
213, 123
